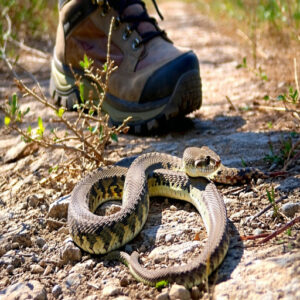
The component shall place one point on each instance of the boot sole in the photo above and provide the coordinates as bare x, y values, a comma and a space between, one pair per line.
146, 118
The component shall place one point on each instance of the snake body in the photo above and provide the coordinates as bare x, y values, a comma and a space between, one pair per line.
155, 174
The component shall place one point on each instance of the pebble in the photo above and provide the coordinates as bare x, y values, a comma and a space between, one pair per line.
56, 290
37, 269
111, 290
23, 238
237, 214
169, 238
290, 209
70, 252
24, 290
34, 200
73, 280
10, 269
179, 292
173, 208
257, 231
40, 242
162, 296
47, 271
59, 208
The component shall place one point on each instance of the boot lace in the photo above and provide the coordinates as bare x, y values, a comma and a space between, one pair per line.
134, 20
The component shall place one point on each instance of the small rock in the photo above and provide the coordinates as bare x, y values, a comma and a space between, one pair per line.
290, 209
70, 252
47, 271
111, 290
169, 238
37, 269
59, 208
124, 281
123, 298
25, 290
23, 238
179, 292
10, 269
173, 208
45, 247
34, 200
237, 214
91, 297
15, 246
162, 296
56, 291
73, 280
40, 242
257, 231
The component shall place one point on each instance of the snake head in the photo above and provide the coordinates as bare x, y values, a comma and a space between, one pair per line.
200, 162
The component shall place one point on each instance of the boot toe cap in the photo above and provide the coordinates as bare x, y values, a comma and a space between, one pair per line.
162, 82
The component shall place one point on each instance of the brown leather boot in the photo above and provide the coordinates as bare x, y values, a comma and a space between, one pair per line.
154, 82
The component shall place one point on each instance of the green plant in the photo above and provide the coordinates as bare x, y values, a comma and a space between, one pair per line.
89, 130
271, 198
259, 72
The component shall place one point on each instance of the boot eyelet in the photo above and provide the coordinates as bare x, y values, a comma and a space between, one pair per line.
117, 22
126, 33
135, 44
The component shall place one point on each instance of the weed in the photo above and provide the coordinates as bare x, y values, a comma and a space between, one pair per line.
259, 72
289, 232
89, 130
271, 198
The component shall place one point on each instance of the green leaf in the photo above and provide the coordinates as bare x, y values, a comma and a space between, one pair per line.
244, 164
81, 91
161, 284
60, 112
14, 104
105, 67
27, 111
114, 137
281, 97
41, 128
29, 129
266, 97
86, 62
7, 120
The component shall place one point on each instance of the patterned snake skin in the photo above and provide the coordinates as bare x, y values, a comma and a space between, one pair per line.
155, 174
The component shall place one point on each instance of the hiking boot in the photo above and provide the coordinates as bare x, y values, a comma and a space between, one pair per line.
154, 81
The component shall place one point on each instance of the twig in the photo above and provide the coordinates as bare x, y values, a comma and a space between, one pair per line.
289, 159
280, 230
263, 107
267, 208
231, 104
29, 49
296, 77
253, 237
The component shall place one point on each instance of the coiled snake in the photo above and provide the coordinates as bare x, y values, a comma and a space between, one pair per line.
155, 174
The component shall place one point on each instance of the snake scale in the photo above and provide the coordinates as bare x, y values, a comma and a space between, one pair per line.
155, 174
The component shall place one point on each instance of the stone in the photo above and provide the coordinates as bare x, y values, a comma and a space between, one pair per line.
40, 242
36, 269
23, 238
47, 271
179, 292
111, 290
34, 200
59, 208
162, 296
56, 290
73, 280
70, 252
10, 269
24, 290
290, 209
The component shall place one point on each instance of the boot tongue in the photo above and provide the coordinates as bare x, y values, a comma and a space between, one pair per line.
135, 10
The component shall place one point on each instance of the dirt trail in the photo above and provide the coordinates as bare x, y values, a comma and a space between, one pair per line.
271, 271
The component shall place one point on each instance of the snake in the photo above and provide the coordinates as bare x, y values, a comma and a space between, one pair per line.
190, 178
